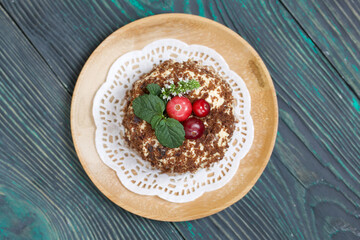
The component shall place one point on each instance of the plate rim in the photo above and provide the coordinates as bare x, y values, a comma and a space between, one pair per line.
266, 75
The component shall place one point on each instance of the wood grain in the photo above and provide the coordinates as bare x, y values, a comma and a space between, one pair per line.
319, 128
44, 192
284, 210
310, 105
334, 27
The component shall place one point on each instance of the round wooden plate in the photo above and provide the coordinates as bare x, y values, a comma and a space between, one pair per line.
190, 29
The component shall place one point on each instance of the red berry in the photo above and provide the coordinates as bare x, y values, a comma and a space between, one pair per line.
201, 108
194, 128
179, 108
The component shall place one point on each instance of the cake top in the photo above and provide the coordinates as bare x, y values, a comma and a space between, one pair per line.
219, 123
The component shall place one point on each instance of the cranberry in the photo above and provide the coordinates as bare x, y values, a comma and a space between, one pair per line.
194, 128
179, 108
201, 108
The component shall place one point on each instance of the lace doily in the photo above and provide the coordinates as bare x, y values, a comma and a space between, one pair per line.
136, 174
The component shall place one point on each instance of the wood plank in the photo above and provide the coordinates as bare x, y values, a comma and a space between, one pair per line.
80, 26
44, 192
319, 144
278, 207
310, 94
334, 26
312, 91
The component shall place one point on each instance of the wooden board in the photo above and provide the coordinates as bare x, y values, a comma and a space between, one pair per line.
44, 193
333, 26
315, 154
191, 30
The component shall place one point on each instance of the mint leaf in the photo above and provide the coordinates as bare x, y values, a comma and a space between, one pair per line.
147, 106
170, 133
154, 89
155, 120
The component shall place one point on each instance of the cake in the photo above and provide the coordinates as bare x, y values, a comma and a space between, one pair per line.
219, 123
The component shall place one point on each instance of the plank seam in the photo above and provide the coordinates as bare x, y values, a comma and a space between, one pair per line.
320, 50
316, 157
178, 230
35, 49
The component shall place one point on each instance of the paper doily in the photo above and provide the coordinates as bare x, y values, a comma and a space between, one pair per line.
136, 174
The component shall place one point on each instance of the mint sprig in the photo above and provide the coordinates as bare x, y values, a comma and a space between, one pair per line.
169, 132
150, 107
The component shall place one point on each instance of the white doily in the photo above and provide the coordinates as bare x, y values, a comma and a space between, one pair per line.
136, 174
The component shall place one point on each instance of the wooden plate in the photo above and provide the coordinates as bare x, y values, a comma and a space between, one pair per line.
190, 29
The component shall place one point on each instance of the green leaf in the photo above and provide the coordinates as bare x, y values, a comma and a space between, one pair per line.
154, 89
155, 120
170, 133
147, 106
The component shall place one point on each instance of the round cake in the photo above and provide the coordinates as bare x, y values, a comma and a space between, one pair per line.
193, 153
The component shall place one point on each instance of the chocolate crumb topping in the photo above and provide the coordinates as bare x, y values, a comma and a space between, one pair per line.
219, 124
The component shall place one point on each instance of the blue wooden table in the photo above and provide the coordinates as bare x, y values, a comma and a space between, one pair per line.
311, 186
